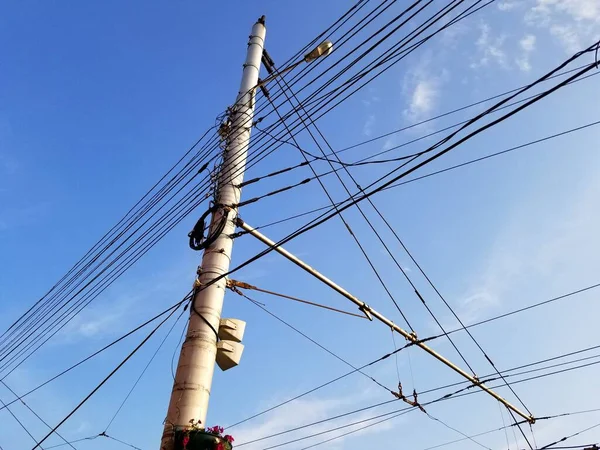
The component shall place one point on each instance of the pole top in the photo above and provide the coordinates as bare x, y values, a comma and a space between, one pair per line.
261, 20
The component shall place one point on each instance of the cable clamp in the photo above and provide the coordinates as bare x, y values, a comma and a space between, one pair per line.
366, 310
240, 284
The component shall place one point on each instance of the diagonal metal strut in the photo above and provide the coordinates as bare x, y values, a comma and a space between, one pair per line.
371, 313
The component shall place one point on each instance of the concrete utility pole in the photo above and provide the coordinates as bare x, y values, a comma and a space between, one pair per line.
191, 389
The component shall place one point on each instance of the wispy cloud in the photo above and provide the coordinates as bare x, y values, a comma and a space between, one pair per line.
533, 246
307, 411
527, 46
424, 99
368, 126
423, 88
489, 48
573, 23
507, 6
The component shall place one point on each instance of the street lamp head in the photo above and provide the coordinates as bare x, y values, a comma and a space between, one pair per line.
323, 49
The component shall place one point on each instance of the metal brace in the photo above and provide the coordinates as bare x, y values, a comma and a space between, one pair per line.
366, 310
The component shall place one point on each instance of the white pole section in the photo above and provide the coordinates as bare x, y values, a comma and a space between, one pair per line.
191, 389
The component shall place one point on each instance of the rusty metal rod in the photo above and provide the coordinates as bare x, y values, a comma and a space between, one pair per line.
243, 285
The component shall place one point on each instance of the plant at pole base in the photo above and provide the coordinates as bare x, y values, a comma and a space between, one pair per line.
218, 431
195, 437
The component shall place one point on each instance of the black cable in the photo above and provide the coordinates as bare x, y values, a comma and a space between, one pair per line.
447, 169
388, 416
357, 199
447, 113
34, 413
570, 436
47, 320
20, 423
14, 324
105, 379
143, 371
174, 208
344, 221
366, 160
322, 347
38, 347
387, 355
43, 311
89, 438
272, 193
197, 239
106, 347
324, 97
390, 253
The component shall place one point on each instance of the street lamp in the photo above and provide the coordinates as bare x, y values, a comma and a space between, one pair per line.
323, 49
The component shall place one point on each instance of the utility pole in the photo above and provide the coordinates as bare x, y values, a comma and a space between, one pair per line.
191, 388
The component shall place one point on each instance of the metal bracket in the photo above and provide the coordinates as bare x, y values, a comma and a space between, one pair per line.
366, 310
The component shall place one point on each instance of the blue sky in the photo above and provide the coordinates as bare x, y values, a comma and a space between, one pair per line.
98, 100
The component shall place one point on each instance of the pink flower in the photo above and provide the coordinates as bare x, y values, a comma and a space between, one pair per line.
228, 438
186, 439
220, 446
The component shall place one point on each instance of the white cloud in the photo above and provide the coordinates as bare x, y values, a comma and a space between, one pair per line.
507, 6
368, 126
574, 23
424, 98
568, 35
422, 89
489, 48
527, 45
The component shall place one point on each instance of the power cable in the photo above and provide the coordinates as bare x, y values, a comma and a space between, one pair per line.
143, 371
429, 390
97, 352
115, 370
438, 172
336, 356
20, 423
34, 413
390, 253
344, 221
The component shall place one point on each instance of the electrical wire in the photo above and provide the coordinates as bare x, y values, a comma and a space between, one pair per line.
34, 413
382, 358
371, 226
20, 423
106, 347
115, 370
160, 345
441, 171
322, 347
